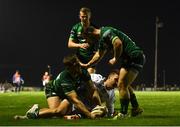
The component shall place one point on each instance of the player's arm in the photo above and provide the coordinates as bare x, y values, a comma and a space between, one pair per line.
73, 44
95, 59
94, 95
73, 40
79, 105
117, 48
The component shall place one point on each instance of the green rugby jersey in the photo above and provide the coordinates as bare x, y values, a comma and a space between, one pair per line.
78, 36
109, 34
65, 82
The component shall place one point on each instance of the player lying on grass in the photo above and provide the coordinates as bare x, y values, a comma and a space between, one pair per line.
107, 96
61, 92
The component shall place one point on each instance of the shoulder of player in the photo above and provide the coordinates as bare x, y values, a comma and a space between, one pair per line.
77, 25
64, 74
77, 29
64, 78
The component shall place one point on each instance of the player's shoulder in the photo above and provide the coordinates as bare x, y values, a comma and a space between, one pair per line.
63, 74
77, 28
106, 30
77, 25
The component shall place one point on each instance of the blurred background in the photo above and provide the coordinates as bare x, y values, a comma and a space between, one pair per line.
34, 35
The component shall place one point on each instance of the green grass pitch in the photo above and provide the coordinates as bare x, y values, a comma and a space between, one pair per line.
160, 109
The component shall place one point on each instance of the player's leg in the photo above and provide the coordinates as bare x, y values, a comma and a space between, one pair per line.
136, 65
56, 108
35, 112
93, 94
53, 102
128, 74
16, 87
19, 87
126, 77
133, 98
136, 110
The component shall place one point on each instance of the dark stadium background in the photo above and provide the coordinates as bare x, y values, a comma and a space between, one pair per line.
34, 34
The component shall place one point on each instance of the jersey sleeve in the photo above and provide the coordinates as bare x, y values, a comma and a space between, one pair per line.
107, 36
73, 33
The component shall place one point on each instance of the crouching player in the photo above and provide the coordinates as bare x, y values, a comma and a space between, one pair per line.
61, 92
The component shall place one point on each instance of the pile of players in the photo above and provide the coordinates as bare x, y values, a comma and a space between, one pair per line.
78, 92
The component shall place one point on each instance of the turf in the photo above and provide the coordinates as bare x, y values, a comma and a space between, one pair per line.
160, 109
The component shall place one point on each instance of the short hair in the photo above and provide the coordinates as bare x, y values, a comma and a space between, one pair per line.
70, 60
86, 10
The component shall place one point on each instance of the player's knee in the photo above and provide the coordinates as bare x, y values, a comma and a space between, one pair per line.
57, 111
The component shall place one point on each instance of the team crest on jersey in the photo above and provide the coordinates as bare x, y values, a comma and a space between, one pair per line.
79, 34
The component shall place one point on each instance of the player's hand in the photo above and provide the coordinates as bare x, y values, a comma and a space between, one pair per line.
84, 45
112, 61
93, 116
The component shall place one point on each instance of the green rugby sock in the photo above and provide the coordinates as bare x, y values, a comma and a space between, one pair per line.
124, 105
134, 101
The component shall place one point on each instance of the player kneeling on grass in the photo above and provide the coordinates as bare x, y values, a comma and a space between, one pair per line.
61, 92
